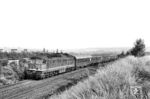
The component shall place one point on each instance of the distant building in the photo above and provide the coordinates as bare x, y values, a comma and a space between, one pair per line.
25, 50
13, 50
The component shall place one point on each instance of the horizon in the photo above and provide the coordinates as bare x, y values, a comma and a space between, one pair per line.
108, 49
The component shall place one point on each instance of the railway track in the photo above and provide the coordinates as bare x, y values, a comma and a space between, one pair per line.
20, 82
35, 89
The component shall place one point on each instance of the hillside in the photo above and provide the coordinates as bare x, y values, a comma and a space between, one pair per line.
113, 82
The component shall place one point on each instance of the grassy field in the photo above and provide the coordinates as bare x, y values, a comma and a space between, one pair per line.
112, 82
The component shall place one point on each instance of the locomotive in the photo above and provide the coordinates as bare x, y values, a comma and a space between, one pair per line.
40, 68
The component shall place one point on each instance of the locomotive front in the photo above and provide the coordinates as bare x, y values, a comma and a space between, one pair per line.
36, 67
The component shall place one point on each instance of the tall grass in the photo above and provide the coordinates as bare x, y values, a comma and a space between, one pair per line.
112, 82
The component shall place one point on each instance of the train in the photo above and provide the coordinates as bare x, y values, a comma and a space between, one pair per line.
41, 68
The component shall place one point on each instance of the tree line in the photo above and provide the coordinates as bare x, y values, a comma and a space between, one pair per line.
138, 50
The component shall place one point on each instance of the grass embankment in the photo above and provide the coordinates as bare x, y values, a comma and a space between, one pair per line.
112, 82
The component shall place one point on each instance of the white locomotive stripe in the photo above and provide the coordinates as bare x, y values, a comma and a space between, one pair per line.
55, 68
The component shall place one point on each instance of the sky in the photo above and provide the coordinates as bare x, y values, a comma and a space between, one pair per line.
73, 24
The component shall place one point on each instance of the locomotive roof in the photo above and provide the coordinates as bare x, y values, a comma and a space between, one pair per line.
52, 55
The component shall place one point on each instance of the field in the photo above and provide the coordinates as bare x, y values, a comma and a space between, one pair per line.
113, 82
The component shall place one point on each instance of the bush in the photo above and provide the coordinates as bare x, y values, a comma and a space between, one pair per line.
19, 72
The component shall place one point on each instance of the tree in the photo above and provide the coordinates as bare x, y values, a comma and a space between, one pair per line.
122, 54
139, 48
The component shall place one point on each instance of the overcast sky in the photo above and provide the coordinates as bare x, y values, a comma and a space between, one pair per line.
71, 24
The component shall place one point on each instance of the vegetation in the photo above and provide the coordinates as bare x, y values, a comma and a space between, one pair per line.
112, 82
20, 55
138, 50
13, 72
